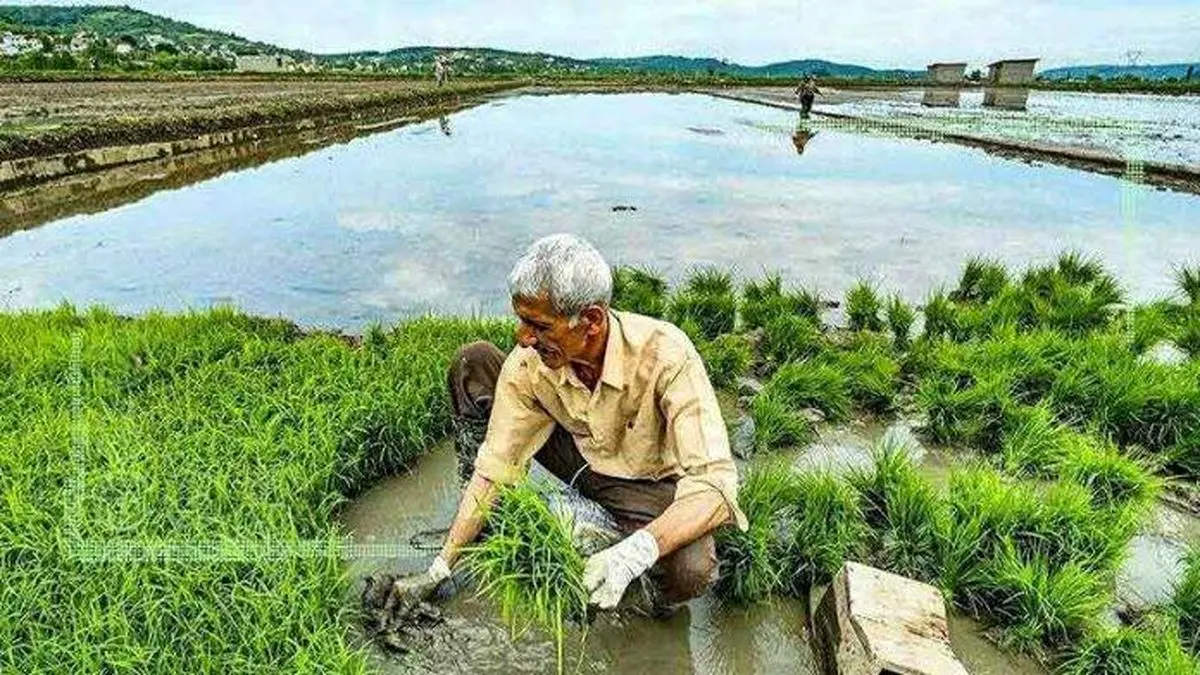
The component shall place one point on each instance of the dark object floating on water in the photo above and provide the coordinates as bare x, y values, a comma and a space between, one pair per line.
624, 207
705, 131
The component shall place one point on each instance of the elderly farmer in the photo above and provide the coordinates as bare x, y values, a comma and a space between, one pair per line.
617, 404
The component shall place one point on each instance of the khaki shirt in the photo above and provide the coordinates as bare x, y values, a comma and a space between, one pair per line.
653, 415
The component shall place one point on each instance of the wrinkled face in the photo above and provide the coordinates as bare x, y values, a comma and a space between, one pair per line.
550, 333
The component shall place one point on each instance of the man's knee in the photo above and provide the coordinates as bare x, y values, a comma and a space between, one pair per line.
472, 378
690, 571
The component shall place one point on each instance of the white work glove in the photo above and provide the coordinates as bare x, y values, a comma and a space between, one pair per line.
608, 573
439, 571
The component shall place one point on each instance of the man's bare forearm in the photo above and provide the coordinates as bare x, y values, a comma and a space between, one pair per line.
472, 513
686, 521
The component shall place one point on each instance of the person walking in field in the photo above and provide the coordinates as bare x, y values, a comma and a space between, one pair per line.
616, 404
806, 91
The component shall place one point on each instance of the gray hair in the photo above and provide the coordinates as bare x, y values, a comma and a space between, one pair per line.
568, 269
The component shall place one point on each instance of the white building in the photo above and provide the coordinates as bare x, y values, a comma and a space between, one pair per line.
259, 63
81, 42
123, 48
14, 44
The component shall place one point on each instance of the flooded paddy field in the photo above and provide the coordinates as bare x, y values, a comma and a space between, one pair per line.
428, 217
403, 222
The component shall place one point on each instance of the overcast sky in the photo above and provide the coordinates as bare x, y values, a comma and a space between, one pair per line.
877, 33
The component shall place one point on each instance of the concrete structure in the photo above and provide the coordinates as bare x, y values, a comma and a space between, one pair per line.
871, 622
946, 73
259, 63
1011, 71
1005, 98
948, 97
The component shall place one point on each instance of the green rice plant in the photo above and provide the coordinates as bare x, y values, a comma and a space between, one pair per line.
790, 338
900, 318
752, 561
1151, 324
708, 299
1185, 602
1126, 650
1188, 281
811, 385
903, 511
824, 528
1078, 269
766, 300
965, 412
941, 319
1184, 457
201, 535
726, 358
1034, 442
528, 565
1114, 479
863, 307
873, 374
1038, 603
1188, 336
982, 280
639, 291
776, 425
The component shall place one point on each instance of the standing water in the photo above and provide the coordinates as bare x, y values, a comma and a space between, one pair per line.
431, 216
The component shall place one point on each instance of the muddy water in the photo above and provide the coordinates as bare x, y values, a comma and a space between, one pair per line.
430, 217
706, 637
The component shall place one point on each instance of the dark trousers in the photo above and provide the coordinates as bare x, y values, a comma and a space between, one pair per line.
685, 573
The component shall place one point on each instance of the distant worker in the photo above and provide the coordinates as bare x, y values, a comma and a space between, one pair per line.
439, 69
806, 91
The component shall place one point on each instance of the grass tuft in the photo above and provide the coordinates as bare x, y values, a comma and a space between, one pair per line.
766, 300
790, 338
1188, 281
777, 426
708, 301
810, 385
639, 291
726, 358
981, 281
863, 308
900, 318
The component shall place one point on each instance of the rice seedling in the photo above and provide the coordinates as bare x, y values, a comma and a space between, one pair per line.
766, 300
940, 319
776, 425
982, 280
726, 358
708, 299
872, 374
1188, 336
863, 308
751, 568
824, 529
965, 412
1114, 479
1149, 325
900, 318
203, 428
1078, 269
639, 291
528, 565
1188, 281
790, 338
903, 511
1040, 604
1124, 650
810, 385
1034, 443
1185, 602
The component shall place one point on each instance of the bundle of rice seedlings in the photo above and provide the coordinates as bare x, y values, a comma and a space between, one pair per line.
1150, 324
872, 373
790, 338
1038, 603
900, 318
726, 358
1188, 281
777, 426
971, 413
903, 511
1187, 336
528, 565
765, 300
1034, 442
1127, 650
863, 307
810, 385
1184, 456
825, 528
1114, 479
940, 318
1185, 602
708, 299
752, 562
639, 291
982, 279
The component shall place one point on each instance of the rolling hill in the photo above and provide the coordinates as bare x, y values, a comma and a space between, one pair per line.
1110, 72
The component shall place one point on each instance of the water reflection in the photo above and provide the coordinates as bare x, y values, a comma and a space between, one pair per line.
444, 125
941, 97
1005, 98
801, 136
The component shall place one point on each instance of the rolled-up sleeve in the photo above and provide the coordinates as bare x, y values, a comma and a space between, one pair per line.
518, 425
697, 432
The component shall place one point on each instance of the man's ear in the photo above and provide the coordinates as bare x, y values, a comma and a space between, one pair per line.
593, 317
